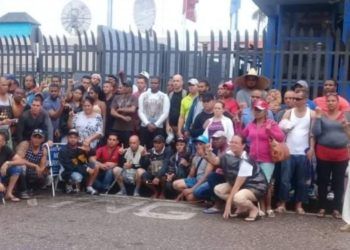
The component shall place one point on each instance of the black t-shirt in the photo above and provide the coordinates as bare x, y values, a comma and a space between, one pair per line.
175, 105
6, 154
197, 127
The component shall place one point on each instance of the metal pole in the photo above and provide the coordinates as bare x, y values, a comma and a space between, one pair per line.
109, 13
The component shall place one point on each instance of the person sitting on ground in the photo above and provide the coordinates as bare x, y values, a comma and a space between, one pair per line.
193, 186
106, 159
74, 160
177, 168
9, 168
151, 164
34, 154
129, 163
245, 183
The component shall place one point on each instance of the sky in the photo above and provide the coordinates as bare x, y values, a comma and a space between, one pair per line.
211, 15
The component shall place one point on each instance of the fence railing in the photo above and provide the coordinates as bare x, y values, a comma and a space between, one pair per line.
219, 56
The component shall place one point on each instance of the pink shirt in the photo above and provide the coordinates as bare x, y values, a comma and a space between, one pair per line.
259, 136
322, 103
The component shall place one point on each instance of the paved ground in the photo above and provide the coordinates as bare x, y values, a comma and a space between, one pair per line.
114, 222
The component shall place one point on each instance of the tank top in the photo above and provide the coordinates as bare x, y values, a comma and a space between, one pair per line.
97, 109
298, 138
32, 157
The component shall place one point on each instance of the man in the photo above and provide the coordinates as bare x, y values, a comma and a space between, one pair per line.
74, 160
151, 164
153, 111
247, 115
194, 187
85, 81
9, 168
296, 123
197, 127
30, 88
113, 80
196, 107
186, 103
54, 105
106, 159
129, 164
175, 98
247, 83
19, 102
142, 83
289, 102
231, 106
96, 81
304, 86
330, 86
108, 90
35, 160
32, 119
13, 83
123, 108
220, 92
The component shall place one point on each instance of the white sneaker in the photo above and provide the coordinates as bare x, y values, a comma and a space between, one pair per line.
136, 193
91, 190
69, 188
122, 192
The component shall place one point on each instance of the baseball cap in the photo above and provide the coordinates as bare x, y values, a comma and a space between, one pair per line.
10, 77
302, 83
127, 83
73, 131
206, 97
261, 104
193, 81
159, 138
202, 138
38, 131
219, 134
229, 85
144, 74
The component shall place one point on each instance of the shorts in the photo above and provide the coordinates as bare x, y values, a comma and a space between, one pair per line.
12, 171
190, 182
267, 168
146, 176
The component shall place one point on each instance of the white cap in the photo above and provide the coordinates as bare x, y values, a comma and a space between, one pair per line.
144, 74
193, 81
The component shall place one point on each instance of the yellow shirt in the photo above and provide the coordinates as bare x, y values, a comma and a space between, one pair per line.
186, 103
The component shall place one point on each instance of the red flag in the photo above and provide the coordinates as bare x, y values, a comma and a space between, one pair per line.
189, 9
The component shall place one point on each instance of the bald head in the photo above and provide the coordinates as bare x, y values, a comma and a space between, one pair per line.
134, 142
178, 82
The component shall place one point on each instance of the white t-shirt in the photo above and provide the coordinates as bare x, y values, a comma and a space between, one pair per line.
245, 168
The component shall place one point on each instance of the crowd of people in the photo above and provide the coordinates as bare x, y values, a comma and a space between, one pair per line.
194, 142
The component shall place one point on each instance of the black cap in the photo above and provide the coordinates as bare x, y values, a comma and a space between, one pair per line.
73, 131
38, 131
127, 83
159, 138
206, 97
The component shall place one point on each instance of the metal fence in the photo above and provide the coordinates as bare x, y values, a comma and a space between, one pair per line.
220, 56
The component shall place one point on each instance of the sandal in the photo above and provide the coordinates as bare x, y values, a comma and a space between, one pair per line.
251, 219
300, 211
321, 213
280, 210
270, 213
12, 198
336, 214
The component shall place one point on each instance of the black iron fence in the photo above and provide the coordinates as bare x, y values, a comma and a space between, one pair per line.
217, 57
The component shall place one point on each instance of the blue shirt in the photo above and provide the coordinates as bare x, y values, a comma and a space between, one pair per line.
247, 116
50, 104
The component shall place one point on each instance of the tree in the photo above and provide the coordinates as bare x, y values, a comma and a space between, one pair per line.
260, 18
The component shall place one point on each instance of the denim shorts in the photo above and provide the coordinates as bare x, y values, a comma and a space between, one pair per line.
190, 182
12, 171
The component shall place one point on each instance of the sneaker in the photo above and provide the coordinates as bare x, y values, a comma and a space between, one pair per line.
76, 190
69, 189
330, 196
270, 213
136, 193
24, 195
211, 210
91, 190
122, 192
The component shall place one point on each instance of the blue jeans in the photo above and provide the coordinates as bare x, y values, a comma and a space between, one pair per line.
104, 180
202, 192
213, 180
295, 169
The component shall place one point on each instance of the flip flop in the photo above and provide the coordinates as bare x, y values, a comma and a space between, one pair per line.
321, 213
336, 215
300, 211
280, 210
251, 219
12, 198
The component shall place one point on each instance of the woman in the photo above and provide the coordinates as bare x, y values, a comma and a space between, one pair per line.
330, 130
259, 133
274, 99
88, 123
245, 184
218, 122
75, 105
6, 114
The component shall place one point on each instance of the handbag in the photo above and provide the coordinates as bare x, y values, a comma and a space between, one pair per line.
278, 150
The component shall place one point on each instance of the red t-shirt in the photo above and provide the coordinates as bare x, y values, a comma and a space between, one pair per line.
102, 154
231, 106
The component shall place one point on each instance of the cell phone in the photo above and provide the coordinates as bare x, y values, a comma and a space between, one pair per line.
14, 121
